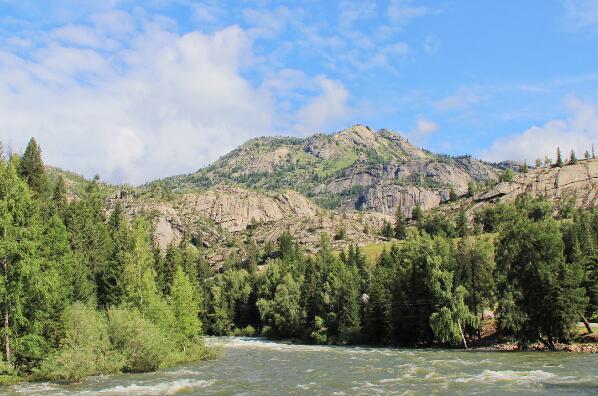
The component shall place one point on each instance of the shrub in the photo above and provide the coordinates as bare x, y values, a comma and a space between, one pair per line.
142, 344
84, 348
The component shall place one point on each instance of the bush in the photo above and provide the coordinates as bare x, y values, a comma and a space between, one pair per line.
142, 344
84, 348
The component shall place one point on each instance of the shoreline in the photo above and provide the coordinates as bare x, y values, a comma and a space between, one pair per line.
575, 347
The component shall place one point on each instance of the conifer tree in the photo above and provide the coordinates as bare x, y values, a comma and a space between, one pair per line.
32, 168
462, 224
417, 214
559, 158
541, 297
586, 155
524, 168
538, 163
572, 158
400, 231
387, 231
59, 195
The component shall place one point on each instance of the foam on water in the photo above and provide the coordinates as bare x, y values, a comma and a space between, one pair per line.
533, 376
161, 388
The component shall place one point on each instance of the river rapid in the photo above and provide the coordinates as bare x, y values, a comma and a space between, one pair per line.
249, 366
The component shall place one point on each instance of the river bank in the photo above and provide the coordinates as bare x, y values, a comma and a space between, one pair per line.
258, 366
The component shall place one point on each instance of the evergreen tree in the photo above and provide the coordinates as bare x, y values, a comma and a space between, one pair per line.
524, 168
32, 168
475, 258
59, 195
417, 214
572, 158
541, 296
538, 163
586, 155
471, 188
462, 224
559, 158
400, 231
387, 231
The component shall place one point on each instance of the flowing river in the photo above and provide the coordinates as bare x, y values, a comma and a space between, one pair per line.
254, 366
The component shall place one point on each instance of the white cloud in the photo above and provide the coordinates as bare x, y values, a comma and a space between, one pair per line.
423, 128
577, 132
403, 11
168, 104
460, 100
138, 102
325, 108
581, 14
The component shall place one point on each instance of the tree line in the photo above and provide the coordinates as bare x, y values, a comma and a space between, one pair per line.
535, 267
82, 292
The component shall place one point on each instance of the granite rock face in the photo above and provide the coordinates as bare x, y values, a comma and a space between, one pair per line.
578, 182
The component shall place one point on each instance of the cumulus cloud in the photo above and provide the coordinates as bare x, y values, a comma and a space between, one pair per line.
576, 132
167, 104
142, 102
324, 109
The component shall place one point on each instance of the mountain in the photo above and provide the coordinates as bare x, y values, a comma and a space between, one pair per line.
346, 185
357, 168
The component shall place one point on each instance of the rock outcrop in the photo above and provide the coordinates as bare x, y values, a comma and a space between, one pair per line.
578, 182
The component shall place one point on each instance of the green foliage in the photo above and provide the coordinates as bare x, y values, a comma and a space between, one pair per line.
142, 343
559, 158
507, 175
400, 230
387, 230
85, 347
32, 168
542, 294
182, 300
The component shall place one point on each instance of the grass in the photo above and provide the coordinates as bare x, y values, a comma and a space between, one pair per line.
373, 250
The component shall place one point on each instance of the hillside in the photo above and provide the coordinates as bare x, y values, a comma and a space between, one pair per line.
356, 168
347, 185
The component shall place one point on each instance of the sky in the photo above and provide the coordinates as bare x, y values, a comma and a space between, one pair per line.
139, 90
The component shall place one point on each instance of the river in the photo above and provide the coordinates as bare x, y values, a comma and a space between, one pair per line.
254, 366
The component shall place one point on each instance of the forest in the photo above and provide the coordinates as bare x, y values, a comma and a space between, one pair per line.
87, 291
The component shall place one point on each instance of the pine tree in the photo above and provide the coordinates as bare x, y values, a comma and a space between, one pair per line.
593, 152
387, 231
32, 168
417, 214
462, 224
559, 158
572, 158
400, 231
59, 195
524, 168
586, 155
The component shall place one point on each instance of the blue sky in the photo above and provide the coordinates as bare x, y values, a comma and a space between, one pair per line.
139, 90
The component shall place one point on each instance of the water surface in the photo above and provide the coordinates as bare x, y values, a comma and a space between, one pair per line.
254, 366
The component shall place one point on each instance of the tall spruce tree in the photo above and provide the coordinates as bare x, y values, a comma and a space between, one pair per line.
32, 168
559, 158
400, 230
